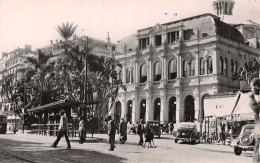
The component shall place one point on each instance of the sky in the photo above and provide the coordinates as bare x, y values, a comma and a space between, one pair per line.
34, 22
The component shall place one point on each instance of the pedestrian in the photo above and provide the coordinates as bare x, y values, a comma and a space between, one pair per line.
219, 132
123, 131
171, 127
128, 127
231, 134
223, 134
81, 130
255, 106
140, 132
148, 136
111, 127
63, 130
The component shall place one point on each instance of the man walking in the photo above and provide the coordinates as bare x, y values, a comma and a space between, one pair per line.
255, 106
63, 130
123, 131
140, 132
111, 132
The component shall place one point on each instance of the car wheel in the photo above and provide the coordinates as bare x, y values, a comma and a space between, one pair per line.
193, 141
237, 151
176, 141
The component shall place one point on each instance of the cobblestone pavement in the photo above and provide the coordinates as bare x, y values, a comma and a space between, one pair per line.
37, 149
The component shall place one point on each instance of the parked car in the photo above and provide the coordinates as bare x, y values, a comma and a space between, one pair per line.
187, 131
155, 127
164, 128
243, 141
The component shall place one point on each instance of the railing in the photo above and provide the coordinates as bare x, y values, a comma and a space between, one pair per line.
52, 129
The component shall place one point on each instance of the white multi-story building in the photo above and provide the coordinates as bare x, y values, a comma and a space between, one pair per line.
169, 68
9, 64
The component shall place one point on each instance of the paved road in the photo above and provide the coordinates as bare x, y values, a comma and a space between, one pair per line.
37, 149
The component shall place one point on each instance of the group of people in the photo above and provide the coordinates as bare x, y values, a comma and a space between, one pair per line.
146, 131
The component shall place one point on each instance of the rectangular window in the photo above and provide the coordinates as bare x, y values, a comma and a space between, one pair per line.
143, 43
173, 36
158, 40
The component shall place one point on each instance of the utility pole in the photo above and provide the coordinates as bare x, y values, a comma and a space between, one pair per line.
86, 85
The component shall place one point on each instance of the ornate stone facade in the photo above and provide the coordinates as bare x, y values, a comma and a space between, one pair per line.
175, 65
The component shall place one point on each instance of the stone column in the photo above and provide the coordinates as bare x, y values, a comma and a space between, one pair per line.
179, 66
149, 69
137, 78
164, 109
196, 107
215, 63
135, 110
124, 73
149, 106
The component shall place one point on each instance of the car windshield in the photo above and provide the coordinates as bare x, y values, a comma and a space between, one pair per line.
187, 125
154, 124
250, 130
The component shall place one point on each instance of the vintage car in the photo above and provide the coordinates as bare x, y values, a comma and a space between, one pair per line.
187, 131
164, 128
243, 142
155, 125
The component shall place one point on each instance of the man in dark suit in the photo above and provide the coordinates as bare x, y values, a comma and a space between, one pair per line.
111, 132
255, 106
140, 132
63, 130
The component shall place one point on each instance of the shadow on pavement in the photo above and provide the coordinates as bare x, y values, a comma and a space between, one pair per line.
35, 151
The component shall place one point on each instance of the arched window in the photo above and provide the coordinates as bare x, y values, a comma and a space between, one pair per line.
172, 69
221, 65
192, 67
157, 71
143, 73
232, 66
209, 65
132, 75
185, 68
202, 66
127, 76
226, 67
120, 75
235, 67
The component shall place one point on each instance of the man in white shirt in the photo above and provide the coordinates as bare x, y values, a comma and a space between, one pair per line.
63, 130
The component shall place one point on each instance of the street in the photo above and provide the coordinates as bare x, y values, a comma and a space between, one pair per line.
36, 148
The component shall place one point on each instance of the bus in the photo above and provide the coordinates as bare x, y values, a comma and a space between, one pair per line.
3, 123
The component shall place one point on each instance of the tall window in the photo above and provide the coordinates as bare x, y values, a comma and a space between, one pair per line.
120, 75
143, 73
221, 65
232, 66
127, 76
202, 66
226, 67
185, 68
132, 75
192, 67
143, 43
158, 40
157, 71
235, 67
172, 36
209, 65
172, 69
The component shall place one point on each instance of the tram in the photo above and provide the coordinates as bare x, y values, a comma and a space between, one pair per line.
3, 123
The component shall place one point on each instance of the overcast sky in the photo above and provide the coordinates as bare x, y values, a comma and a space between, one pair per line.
34, 22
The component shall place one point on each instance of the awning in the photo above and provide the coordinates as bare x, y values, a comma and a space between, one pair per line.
55, 105
219, 107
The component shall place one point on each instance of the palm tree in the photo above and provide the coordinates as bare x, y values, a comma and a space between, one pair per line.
43, 68
67, 30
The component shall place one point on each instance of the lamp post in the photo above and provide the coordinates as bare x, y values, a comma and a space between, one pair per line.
86, 79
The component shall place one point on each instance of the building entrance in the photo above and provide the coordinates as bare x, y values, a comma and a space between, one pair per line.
157, 109
172, 110
143, 109
189, 111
